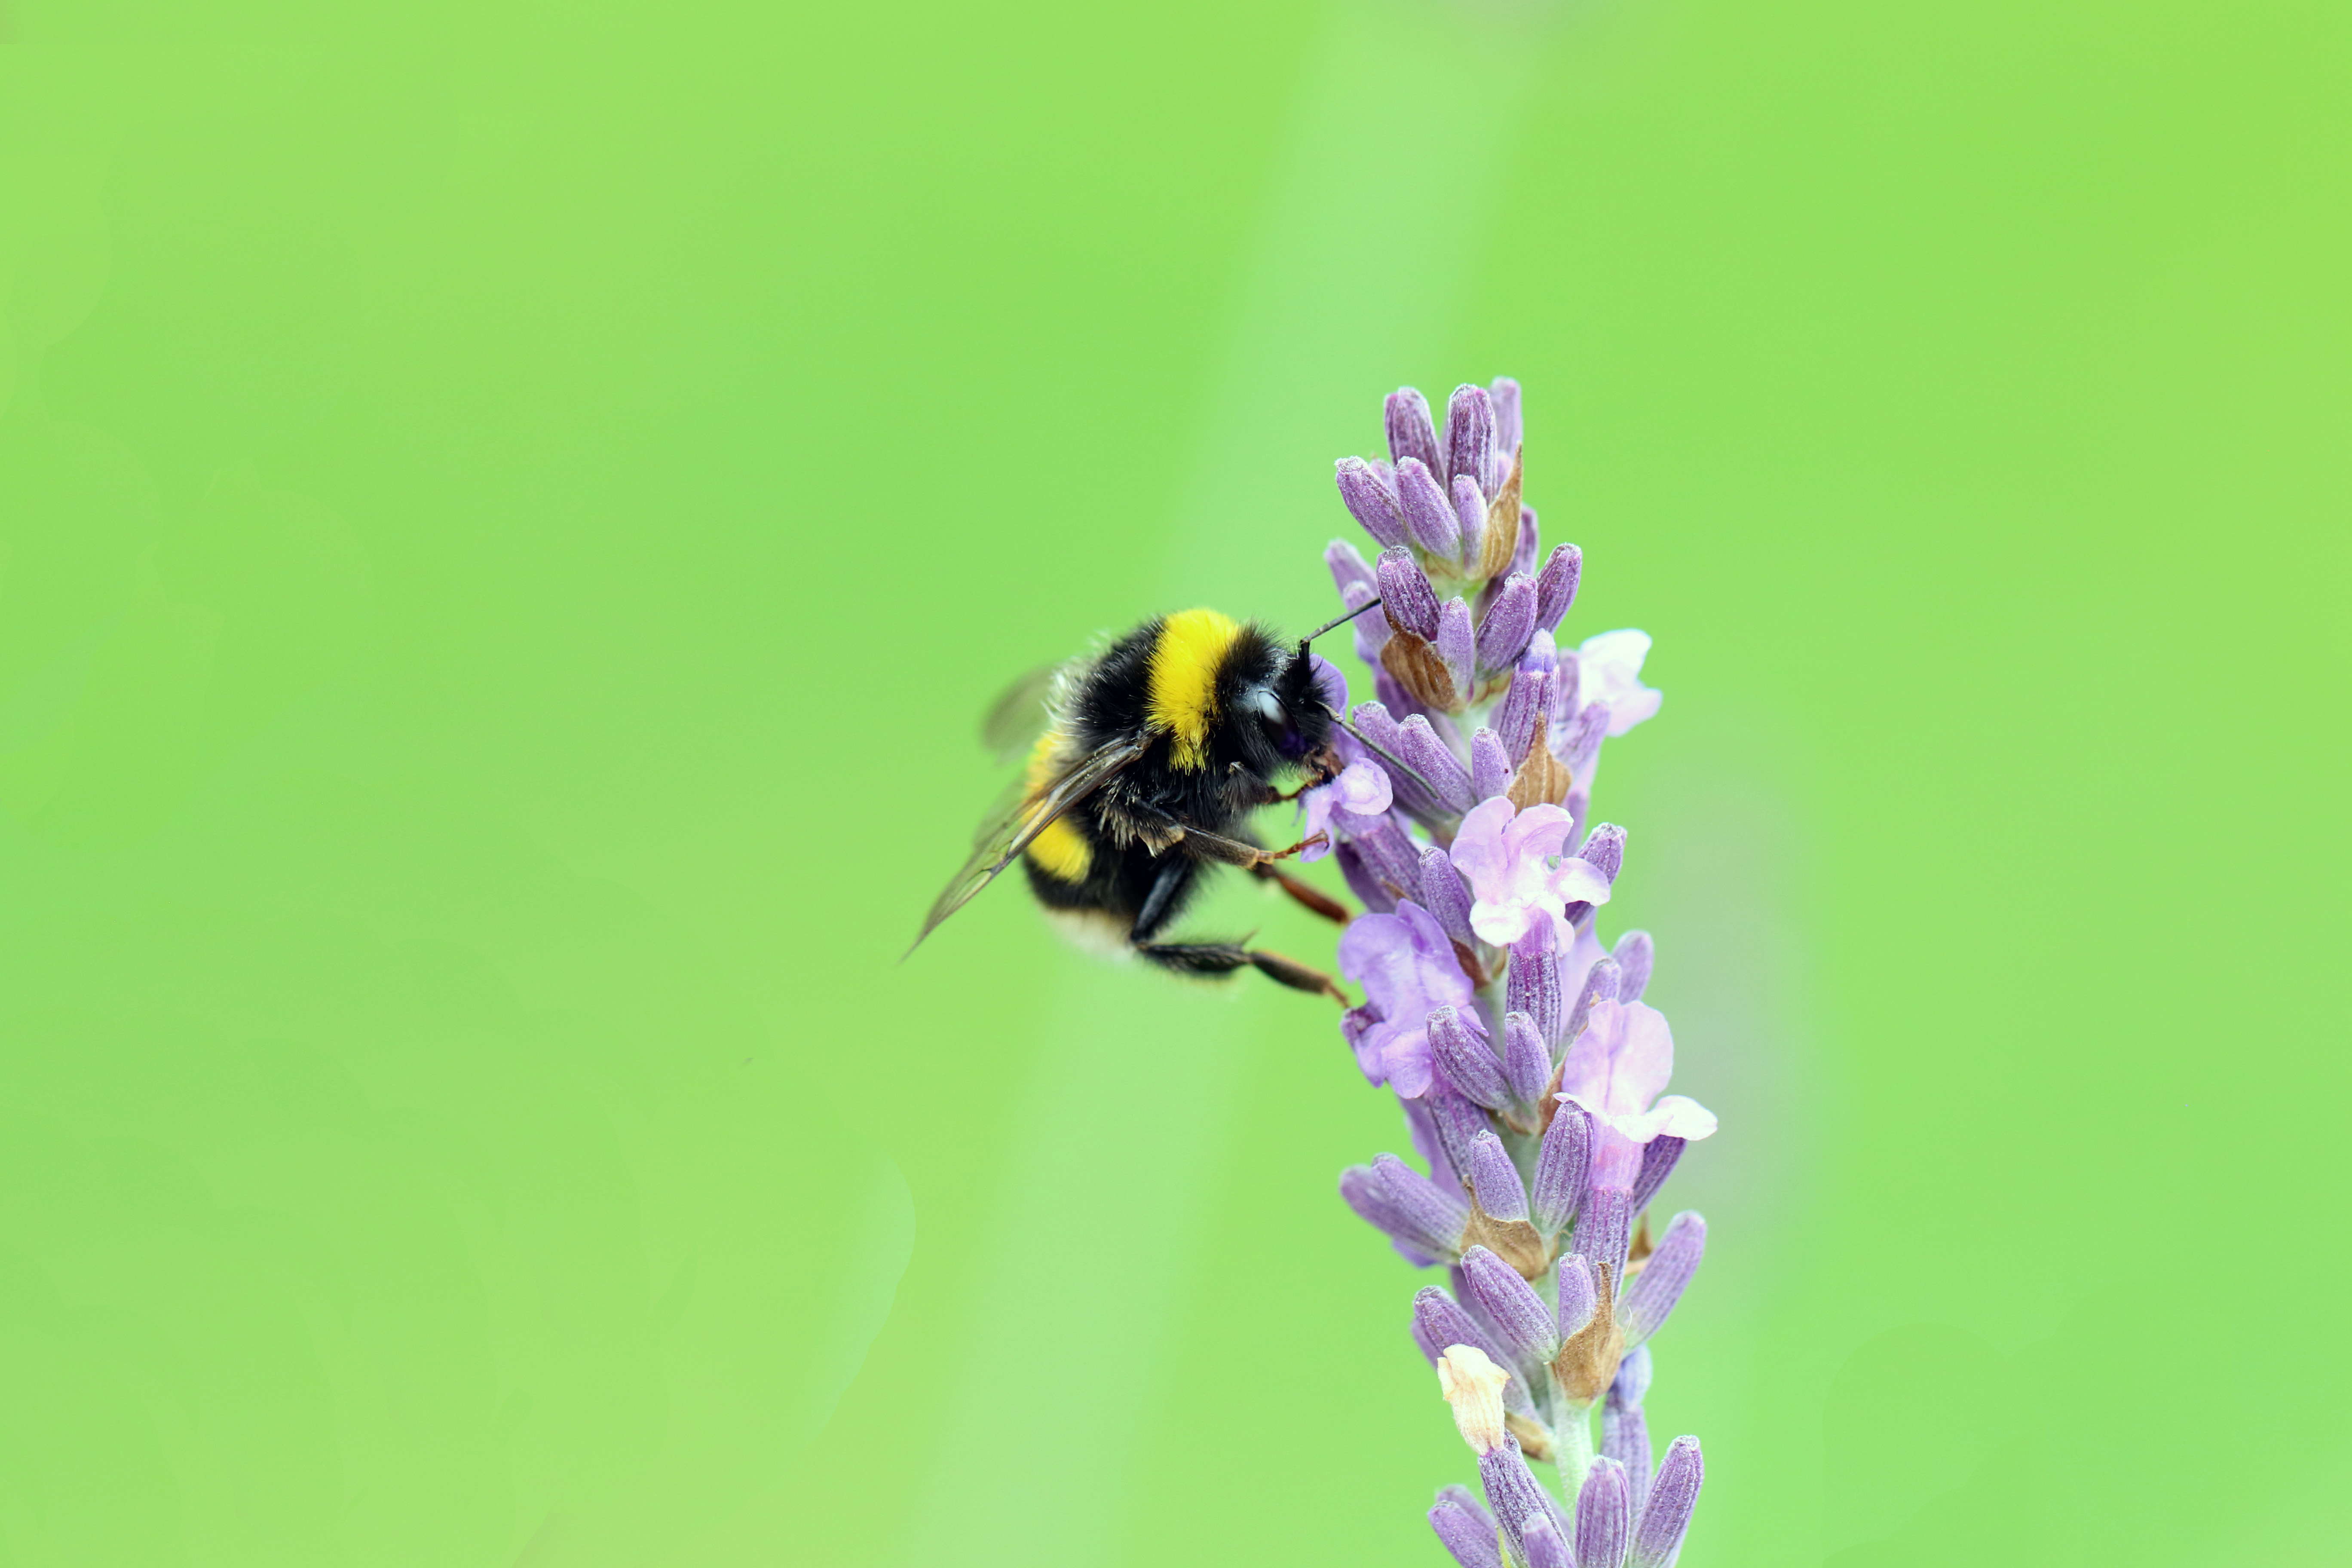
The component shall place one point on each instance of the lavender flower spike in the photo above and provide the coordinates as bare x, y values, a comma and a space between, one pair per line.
1530, 1072
1674, 1493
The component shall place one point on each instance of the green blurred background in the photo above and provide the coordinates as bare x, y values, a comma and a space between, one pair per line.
508, 512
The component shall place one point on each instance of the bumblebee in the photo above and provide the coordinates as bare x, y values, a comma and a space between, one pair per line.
1145, 762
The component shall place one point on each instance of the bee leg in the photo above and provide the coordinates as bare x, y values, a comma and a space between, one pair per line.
1168, 888
1233, 852
1221, 957
1329, 908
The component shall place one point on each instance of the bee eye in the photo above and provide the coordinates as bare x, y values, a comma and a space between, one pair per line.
1268, 706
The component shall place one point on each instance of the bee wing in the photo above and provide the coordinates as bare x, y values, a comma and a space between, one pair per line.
1022, 712
1005, 836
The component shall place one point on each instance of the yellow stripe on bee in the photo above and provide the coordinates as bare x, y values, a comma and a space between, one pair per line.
1061, 851
1182, 681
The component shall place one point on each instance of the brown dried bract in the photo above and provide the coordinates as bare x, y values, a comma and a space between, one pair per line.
1543, 779
1515, 1241
1501, 539
1535, 1442
1587, 1364
1416, 666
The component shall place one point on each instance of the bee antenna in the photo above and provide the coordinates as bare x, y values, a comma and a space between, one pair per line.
1334, 625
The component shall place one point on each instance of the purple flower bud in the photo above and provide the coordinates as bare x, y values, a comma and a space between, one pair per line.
1523, 559
1466, 1529
1510, 623
1634, 954
1457, 645
1490, 765
1469, 438
1579, 1296
1388, 854
1348, 566
1604, 1230
1504, 397
1514, 720
1633, 1383
1526, 1060
1411, 433
1600, 985
1533, 985
1514, 1494
1663, 1278
1428, 511
1674, 1493
1556, 584
1439, 1323
1469, 514
1422, 1124
1406, 1204
1371, 499
1624, 1430
1385, 737
1495, 1180
1444, 897
1427, 756
1562, 1165
1458, 1044
1658, 1157
1458, 1123
1367, 1194
1541, 1538
1361, 881
1405, 595
1371, 632
1523, 1322
1604, 849
1603, 1516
